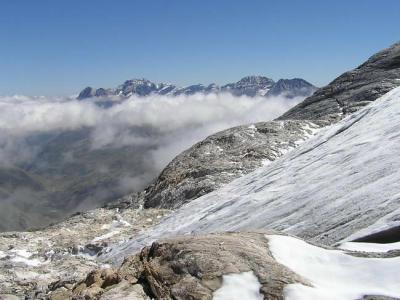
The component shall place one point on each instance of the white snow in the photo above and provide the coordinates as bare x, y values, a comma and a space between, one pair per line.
369, 247
338, 182
105, 236
2, 254
22, 253
34, 262
24, 256
334, 274
242, 286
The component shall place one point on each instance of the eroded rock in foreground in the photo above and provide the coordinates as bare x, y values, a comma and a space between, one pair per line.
237, 265
192, 267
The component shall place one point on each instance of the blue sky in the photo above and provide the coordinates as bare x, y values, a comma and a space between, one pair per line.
58, 47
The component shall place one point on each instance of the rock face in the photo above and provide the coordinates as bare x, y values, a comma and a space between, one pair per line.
291, 88
249, 86
223, 265
352, 90
223, 157
193, 268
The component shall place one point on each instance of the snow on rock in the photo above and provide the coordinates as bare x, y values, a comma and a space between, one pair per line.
25, 257
369, 247
333, 273
105, 236
242, 286
342, 180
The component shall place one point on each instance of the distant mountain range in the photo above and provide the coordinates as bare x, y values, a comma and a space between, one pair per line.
249, 86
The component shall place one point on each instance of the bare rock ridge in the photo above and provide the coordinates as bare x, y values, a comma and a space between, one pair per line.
222, 157
250, 86
353, 89
193, 267
198, 267
229, 154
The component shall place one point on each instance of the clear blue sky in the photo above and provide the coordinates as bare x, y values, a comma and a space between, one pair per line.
51, 47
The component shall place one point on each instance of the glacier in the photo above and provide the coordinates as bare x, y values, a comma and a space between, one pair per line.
343, 181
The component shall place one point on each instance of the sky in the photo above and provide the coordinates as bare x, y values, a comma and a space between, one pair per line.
58, 47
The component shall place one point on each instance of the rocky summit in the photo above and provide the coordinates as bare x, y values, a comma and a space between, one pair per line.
251, 86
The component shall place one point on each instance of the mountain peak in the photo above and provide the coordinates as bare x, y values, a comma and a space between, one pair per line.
249, 86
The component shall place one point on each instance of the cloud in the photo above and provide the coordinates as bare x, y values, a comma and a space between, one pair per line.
171, 122
88, 152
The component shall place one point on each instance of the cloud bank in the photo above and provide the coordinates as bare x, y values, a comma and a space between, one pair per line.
87, 152
173, 123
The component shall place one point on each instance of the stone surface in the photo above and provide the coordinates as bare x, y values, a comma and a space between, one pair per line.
192, 268
62, 254
223, 157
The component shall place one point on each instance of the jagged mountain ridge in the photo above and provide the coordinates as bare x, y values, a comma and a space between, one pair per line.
250, 86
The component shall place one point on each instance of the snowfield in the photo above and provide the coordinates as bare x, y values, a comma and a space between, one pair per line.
343, 180
332, 273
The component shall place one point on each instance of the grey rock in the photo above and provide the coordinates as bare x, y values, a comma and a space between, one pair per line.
250, 86
59, 256
192, 267
222, 157
353, 89
291, 88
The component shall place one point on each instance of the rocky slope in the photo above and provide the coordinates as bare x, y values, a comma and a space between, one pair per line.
60, 255
352, 90
223, 157
249, 86
239, 151
342, 184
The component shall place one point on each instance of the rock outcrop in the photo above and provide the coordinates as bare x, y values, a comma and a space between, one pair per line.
191, 268
223, 157
352, 90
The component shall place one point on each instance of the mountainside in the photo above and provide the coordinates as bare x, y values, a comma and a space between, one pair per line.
222, 157
343, 181
249, 86
240, 150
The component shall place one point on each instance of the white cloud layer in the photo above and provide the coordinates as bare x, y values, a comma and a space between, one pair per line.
169, 123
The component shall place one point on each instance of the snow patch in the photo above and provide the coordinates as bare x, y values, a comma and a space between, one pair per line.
333, 273
369, 247
105, 236
242, 286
